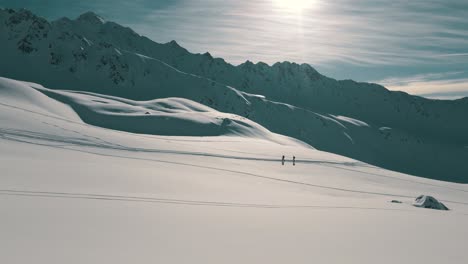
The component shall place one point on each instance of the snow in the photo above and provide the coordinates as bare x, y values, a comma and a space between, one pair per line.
72, 192
385, 128
350, 120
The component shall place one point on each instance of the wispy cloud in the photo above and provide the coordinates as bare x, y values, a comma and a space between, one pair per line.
362, 33
404, 81
451, 55
447, 85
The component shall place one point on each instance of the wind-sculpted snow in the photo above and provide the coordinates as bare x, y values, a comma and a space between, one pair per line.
170, 116
344, 117
22, 93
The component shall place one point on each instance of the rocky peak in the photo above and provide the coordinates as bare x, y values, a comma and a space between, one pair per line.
18, 16
91, 17
174, 44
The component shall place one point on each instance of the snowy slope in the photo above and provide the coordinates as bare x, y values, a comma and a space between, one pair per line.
77, 193
402, 132
169, 116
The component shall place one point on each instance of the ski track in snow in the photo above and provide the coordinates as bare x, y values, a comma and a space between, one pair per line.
67, 147
175, 201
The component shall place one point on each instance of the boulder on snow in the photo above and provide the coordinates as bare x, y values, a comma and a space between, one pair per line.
427, 201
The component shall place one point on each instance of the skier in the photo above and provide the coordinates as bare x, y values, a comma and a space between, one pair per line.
294, 160
282, 160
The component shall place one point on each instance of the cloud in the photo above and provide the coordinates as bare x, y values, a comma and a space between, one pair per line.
446, 95
354, 32
447, 85
419, 78
452, 55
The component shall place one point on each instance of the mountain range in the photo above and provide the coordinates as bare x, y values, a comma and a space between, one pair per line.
364, 121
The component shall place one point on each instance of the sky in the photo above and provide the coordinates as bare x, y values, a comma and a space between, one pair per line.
418, 46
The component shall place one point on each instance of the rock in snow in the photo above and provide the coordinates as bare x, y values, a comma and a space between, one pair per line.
427, 201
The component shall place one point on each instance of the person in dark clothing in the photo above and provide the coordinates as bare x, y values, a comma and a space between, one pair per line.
294, 160
282, 160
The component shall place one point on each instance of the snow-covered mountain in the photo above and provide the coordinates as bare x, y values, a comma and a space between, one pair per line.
394, 130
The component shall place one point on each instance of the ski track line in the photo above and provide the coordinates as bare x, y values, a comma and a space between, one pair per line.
336, 166
89, 196
54, 138
41, 136
235, 172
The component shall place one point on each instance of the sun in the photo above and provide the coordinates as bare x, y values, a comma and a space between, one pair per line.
294, 5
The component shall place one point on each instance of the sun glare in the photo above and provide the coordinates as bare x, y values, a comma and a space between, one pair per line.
295, 5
